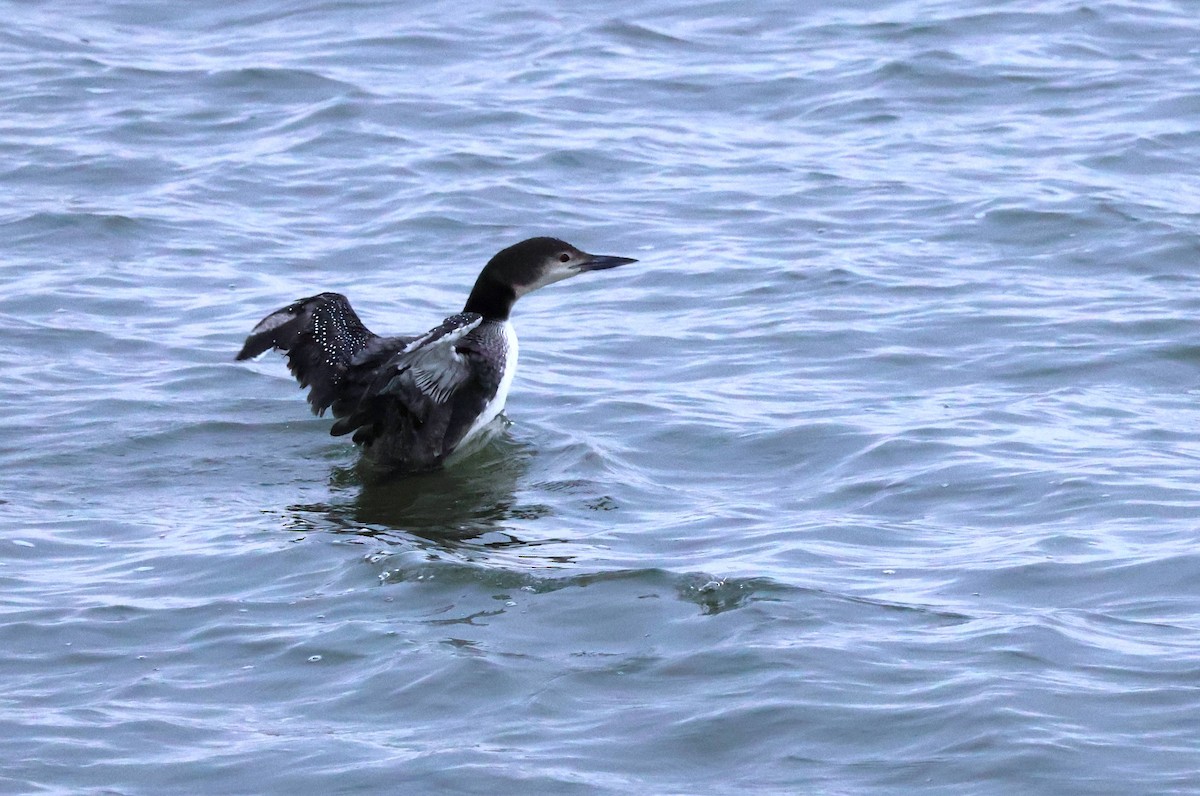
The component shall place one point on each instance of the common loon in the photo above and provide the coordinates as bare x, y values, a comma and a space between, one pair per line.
412, 401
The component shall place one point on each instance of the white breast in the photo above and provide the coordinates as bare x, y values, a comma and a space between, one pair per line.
495, 406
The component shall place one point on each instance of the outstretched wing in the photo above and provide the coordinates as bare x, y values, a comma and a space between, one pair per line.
321, 336
420, 377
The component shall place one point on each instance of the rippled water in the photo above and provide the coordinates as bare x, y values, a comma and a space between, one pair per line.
877, 474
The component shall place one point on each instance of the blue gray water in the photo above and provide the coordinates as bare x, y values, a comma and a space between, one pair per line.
879, 473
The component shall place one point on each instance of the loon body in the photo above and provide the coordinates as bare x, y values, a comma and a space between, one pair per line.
412, 401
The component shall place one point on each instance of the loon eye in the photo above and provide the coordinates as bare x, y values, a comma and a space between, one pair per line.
564, 258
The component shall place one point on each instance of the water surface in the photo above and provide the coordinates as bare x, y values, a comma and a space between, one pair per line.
876, 474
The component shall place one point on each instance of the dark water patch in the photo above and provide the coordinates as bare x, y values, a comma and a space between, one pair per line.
712, 595
276, 85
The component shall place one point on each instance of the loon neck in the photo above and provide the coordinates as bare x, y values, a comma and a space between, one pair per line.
491, 299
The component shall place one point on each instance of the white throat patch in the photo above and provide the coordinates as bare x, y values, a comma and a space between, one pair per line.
557, 272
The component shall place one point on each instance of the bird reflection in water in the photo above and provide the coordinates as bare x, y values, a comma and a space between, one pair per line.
471, 506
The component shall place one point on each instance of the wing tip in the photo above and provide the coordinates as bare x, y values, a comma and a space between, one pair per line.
255, 346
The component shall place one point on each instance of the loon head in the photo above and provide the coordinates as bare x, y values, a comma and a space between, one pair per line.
526, 266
